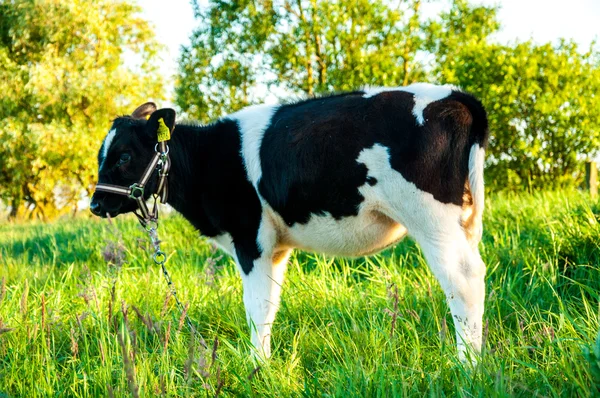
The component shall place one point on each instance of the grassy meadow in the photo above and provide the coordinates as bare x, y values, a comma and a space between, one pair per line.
85, 312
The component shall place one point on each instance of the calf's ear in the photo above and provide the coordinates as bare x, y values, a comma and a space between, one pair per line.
160, 125
144, 111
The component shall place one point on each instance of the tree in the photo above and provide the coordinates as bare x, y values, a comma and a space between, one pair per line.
463, 25
298, 46
63, 78
542, 100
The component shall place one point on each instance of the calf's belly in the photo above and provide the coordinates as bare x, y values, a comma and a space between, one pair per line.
362, 235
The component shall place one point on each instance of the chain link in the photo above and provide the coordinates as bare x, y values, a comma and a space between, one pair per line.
160, 258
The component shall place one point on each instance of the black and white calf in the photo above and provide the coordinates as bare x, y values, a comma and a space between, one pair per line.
347, 175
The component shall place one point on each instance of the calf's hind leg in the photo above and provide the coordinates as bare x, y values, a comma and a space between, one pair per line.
460, 271
437, 228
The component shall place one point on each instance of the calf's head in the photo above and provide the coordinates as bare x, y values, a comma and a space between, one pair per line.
124, 155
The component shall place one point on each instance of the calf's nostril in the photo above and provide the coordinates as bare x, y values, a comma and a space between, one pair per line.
95, 208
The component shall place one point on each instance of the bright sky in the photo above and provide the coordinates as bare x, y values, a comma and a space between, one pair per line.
540, 20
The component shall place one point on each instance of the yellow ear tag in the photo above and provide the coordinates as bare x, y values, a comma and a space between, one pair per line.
163, 134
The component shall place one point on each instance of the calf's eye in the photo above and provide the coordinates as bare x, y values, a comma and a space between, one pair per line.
125, 157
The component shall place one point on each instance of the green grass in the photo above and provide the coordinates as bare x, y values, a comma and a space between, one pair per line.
63, 331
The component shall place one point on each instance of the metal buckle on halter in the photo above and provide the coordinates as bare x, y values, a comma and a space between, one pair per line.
136, 191
163, 155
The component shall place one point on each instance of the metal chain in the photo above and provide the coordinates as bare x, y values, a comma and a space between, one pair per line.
149, 220
160, 258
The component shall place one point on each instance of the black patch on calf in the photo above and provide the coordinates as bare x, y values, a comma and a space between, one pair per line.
210, 187
371, 180
246, 251
308, 157
479, 132
309, 152
437, 161
207, 180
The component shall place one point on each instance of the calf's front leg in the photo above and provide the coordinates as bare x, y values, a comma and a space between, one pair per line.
262, 280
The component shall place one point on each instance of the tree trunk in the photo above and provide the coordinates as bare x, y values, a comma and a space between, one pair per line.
414, 20
310, 82
14, 209
322, 66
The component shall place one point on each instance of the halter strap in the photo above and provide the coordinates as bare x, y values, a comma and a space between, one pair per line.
160, 162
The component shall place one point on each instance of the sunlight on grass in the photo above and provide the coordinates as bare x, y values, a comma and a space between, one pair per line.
84, 312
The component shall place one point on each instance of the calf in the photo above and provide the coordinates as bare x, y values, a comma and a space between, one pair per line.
346, 175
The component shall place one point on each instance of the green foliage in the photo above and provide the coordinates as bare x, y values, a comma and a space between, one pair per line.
542, 100
592, 355
65, 331
462, 26
63, 76
308, 46
543, 107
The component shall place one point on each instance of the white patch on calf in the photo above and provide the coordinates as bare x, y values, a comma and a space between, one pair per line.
424, 94
472, 218
253, 121
225, 243
366, 233
373, 91
401, 200
476, 163
106, 145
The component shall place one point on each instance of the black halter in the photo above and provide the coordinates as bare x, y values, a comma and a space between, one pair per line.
160, 162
